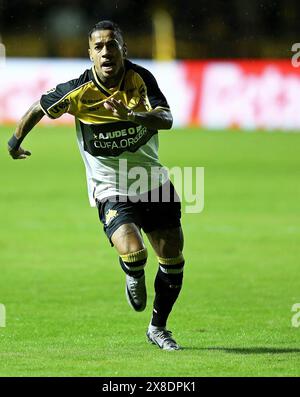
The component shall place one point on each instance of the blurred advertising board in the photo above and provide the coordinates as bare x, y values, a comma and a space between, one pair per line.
248, 94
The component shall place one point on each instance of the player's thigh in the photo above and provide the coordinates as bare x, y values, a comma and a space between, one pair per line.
127, 238
167, 243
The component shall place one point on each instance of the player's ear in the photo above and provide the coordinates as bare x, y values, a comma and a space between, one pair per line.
124, 50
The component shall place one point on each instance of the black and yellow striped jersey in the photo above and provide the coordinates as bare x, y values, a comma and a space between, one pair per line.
104, 139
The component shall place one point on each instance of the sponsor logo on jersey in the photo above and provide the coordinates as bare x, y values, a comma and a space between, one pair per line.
60, 106
102, 140
118, 133
49, 91
120, 143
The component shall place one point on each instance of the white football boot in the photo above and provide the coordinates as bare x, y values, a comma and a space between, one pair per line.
162, 338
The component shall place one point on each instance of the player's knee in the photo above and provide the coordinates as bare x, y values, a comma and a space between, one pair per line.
134, 263
127, 239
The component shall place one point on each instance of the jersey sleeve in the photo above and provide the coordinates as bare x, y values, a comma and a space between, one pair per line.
56, 102
154, 94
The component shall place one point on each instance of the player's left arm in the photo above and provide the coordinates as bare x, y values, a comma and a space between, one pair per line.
158, 118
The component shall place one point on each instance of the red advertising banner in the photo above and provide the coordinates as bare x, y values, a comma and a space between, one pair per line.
245, 94
248, 94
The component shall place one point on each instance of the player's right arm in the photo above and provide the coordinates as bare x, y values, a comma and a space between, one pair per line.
33, 115
54, 103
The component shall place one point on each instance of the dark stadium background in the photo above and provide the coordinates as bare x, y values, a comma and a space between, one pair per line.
203, 28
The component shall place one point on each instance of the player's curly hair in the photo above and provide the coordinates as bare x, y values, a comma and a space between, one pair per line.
106, 25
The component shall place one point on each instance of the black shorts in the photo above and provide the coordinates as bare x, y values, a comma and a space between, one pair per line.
156, 209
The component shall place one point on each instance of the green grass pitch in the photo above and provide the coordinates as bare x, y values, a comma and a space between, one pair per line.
64, 291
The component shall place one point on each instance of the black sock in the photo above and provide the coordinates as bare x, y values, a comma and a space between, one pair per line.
133, 263
167, 288
128, 266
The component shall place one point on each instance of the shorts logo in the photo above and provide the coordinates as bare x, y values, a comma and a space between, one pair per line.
110, 215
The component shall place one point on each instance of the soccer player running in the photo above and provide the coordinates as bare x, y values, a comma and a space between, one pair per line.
118, 109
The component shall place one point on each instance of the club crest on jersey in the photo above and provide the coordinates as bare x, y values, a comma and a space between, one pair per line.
110, 215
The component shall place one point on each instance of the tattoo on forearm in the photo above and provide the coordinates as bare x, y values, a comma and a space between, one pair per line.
29, 120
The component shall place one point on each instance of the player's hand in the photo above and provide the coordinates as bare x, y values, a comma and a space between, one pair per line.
117, 108
19, 154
